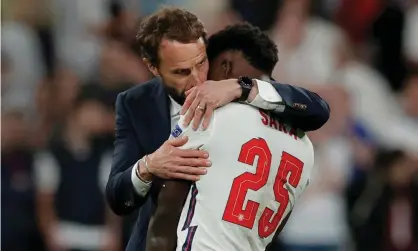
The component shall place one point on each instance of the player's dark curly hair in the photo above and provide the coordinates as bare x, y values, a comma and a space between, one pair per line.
260, 51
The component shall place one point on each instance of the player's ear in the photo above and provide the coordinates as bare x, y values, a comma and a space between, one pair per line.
153, 69
227, 68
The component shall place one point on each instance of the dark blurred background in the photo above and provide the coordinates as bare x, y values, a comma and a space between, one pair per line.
63, 63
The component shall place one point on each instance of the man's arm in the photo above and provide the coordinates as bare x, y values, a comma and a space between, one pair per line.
297, 106
131, 174
121, 193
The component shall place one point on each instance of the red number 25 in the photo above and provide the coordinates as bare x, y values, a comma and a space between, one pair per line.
268, 222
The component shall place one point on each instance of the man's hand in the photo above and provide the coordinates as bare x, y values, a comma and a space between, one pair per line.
171, 162
112, 241
51, 241
202, 100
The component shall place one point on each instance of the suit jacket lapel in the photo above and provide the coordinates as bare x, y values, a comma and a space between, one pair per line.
160, 120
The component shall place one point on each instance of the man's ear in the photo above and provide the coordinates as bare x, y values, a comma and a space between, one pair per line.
153, 69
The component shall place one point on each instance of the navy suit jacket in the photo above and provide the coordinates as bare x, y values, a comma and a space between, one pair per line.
143, 124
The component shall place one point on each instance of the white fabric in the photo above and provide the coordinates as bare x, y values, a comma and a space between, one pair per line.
267, 97
230, 128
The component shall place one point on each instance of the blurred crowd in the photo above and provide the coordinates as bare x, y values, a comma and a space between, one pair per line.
64, 62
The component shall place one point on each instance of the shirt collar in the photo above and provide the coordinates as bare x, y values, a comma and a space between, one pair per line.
174, 107
266, 78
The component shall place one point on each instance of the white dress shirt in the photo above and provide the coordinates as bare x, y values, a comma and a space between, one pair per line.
267, 99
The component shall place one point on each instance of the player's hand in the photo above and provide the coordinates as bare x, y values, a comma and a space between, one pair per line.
202, 100
171, 162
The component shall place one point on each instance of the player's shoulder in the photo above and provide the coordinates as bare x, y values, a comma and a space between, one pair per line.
234, 110
234, 106
196, 138
222, 115
309, 147
304, 138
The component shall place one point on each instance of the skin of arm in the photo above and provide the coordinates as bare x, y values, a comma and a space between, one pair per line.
162, 230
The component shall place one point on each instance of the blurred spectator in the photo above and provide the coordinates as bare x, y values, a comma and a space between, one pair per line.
355, 17
122, 24
25, 68
363, 145
374, 105
314, 52
120, 64
148, 7
387, 32
78, 48
19, 227
317, 222
307, 45
410, 33
71, 175
120, 67
250, 11
409, 96
383, 210
215, 14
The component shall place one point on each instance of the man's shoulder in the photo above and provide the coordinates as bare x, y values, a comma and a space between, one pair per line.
141, 90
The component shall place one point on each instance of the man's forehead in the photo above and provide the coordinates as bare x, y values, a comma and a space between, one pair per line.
178, 53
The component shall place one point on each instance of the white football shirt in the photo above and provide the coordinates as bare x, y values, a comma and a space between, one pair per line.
259, 169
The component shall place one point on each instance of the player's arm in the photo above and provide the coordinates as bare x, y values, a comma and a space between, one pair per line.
278, 231
162, 230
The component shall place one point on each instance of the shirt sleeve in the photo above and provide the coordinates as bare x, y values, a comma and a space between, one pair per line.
267, 97
141, 187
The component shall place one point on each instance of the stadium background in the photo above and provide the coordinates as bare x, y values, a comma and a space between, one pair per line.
63, 63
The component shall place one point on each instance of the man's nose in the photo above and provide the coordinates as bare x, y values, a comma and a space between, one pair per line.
196, 79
